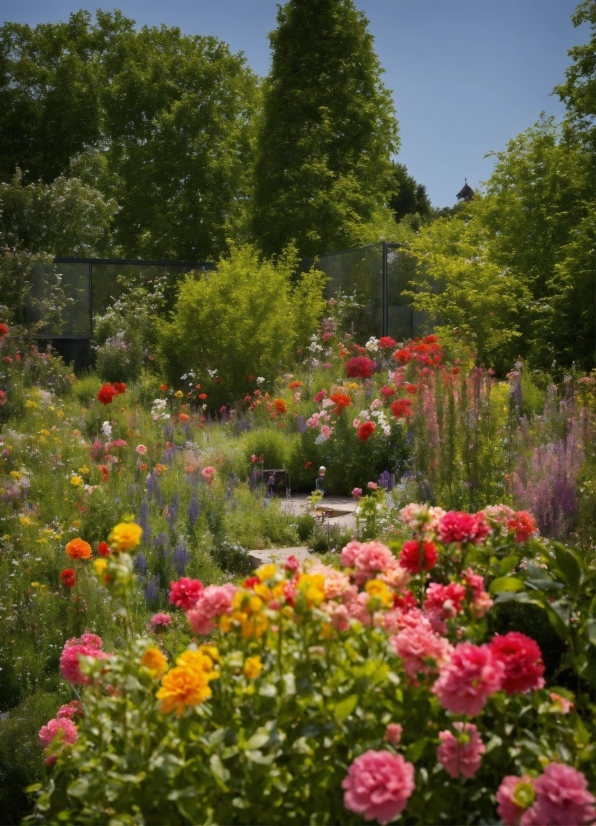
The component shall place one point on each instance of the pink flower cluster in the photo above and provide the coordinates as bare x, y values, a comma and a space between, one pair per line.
481, 601
559, 797
443, 602
185, 592
378, 785
469, 678
89, 645
213, 602
461, 754
421, 650
463, 527
371, 559
53, 728
522, 661
160, 620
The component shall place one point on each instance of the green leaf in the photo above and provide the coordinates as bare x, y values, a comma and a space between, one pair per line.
591, 630
505, 583
569, 566
79, 787
345, 707
508, 563
414, 751
218, 769
258, 739
559, 618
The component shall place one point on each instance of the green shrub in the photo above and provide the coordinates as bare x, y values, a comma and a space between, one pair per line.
86, 387
120, 358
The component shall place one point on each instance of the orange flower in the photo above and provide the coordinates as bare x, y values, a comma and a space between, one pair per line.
78, 549
280, 405
155, 662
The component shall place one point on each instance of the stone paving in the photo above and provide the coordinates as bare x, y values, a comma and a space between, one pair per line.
298, 505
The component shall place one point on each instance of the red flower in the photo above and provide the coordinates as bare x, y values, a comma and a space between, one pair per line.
293, 384
252, 580
403, 356
401, 408
105, 472
360, 367
119, 387
203, 396
106, 394
68, 577
308, 464
386, 343
320, 396
412, 389
4, 330
523, 524
163, 387
103, 549
365, 431
522, 659
280, 405
462, 527
387, 391
416, 556
340, 400
185, 592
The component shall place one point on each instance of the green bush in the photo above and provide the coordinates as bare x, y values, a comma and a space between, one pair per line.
246, 319
86, 387
271, 444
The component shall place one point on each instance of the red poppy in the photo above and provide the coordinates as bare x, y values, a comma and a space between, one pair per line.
68, 577
164, 387
103, 549
340, 400
365, 431
4, 330
202, 396
360, 367
119, 387
401, 408
106, 394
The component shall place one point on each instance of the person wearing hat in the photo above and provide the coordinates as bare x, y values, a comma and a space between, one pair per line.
320, 483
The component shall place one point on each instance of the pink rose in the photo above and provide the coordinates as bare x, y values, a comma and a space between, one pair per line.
378, 785
512, 794
393, 733
141, 450
185, 592
213, 602
461, 754
69, 710
422, 651
64, 727
562, 798
469, 678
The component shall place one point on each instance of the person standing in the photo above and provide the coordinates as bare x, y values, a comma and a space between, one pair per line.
320, 483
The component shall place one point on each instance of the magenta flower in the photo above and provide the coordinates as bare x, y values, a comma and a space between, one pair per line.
461, 754
89, 645
513, 797
378, 785
357, 493
185, 592
160, 621
522, 660
463, 527
562, 798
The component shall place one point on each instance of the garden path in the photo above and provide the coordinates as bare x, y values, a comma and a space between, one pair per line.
298, 505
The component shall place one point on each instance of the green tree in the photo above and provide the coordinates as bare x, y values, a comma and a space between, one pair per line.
159, 121
65, 217
470, 297
246, 319
409, 197
328, 128
579, 90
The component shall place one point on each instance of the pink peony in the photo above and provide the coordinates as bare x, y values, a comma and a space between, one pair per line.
393, 733
378, 785
326, 431
88, 646
372, 486
461, 754
562, 798
357, 493
469, 678
368, 558
421, 650
513, 796
160, 620
141, 450
64, 727
185, 592
417, 556
349, 553
463, 527
522, 660
213, 601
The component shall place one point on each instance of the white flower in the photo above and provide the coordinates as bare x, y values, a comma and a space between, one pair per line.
106, 429
260, 379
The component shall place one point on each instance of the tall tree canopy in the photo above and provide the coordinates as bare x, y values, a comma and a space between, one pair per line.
323, 169
408, 196
157, 120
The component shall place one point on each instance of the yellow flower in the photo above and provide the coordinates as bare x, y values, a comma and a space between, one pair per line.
99, 566
225, 623
210, 651
60, 414
75, 481
24, 520
313, 588
16, 475
379, 589
31, 405
252, 667
35, 585
182, 687
266, 571
125, 536
197, 660
84, 469
44, 432
179, 394
153, 660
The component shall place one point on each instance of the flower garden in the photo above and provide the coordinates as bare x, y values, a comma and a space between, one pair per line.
435, 665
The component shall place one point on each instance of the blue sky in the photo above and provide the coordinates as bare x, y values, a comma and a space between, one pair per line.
466, 75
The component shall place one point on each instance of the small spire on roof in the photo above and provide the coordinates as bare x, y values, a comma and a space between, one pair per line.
466, 193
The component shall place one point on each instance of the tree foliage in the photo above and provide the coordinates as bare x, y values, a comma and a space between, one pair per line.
409, 197
160, 121
327, 132
579, 90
